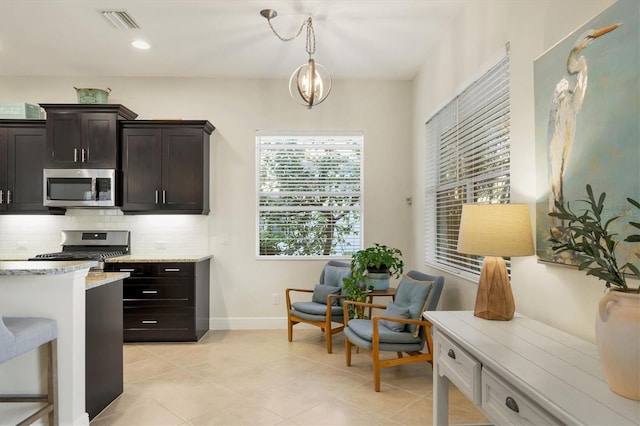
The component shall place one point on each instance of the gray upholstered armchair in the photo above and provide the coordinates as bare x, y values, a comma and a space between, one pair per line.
400, 328
325, 306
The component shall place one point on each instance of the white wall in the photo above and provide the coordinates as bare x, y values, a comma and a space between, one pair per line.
241, 286
562, 297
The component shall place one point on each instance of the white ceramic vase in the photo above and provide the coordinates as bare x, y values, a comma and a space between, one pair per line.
618, 340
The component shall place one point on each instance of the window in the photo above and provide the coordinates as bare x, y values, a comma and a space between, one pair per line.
468, 151
309, 194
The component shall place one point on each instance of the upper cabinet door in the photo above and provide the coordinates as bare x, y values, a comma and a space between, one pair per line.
26, 149
142, 165
183, 152
21, 161
64, 140
100, 136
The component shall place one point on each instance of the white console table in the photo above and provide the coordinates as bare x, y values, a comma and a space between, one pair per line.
522, 372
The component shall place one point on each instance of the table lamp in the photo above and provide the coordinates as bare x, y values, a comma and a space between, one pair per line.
494, 231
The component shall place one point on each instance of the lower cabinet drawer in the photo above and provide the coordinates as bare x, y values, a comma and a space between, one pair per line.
154, 291
462, 369
507, 406
166, 324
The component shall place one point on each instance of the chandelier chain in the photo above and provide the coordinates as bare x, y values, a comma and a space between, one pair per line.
311, 35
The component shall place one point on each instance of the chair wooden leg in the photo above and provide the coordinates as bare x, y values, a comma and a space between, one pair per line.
290, 329
376, 370
328, 334
347, 347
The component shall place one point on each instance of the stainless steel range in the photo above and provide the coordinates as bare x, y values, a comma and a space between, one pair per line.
90, 245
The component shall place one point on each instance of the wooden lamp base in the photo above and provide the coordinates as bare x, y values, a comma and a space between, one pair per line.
494, 300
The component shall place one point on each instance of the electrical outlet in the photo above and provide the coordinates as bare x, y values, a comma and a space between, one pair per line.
275, 299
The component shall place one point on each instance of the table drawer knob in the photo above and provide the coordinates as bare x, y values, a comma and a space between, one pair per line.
512, 404
451, 354
149, 321
149, 291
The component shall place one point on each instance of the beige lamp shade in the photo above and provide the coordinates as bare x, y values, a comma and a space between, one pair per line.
495, 230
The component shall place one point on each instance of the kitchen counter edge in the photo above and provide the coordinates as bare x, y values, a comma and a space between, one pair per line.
157, 259
43, 267
97, 279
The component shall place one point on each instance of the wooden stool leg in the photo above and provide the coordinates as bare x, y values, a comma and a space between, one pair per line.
52, 391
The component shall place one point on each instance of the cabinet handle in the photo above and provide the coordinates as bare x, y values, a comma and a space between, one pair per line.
512, 404
156, 196
149, 321
164, 197
127, 269
451, 354
172, 269
8, 196
1, 196
75, 155
84, 155
149, 291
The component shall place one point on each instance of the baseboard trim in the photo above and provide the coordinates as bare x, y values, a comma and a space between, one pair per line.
257, 323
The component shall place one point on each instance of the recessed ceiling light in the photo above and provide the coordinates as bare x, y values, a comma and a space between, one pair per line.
140, 44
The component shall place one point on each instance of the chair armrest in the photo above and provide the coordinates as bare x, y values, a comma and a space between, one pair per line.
288, 297
347, 303
401, 320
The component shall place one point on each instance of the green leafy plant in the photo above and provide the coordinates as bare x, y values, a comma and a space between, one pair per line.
378, 258
588, 236
354, 290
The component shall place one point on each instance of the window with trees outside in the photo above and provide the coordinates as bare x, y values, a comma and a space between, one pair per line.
309, 194
468, 161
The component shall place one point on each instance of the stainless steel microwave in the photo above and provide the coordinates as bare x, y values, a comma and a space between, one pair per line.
79, 187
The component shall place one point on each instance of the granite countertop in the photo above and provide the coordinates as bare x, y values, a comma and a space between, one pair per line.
49, 267
96, 278
159, 258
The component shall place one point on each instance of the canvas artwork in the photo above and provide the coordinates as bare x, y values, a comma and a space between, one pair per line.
587, 116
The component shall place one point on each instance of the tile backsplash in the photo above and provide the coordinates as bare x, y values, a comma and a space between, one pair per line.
24, 236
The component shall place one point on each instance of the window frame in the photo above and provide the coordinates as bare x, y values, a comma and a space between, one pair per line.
357, 138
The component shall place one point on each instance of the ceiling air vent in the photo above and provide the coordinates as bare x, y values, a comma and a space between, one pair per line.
120, 19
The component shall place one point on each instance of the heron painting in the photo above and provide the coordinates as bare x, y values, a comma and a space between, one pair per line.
587, 105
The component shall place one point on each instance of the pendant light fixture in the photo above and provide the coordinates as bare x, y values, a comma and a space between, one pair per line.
310, 83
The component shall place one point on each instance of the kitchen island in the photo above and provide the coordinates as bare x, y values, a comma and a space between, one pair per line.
54, 290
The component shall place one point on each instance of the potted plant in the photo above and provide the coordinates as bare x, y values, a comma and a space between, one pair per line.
376, 265
587, 235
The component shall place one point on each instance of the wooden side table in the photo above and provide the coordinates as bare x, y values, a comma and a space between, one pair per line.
390, 292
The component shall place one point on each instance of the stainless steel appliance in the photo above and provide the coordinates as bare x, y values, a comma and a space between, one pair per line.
90, 245
79, 187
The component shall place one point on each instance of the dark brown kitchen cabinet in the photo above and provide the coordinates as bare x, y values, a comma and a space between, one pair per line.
21, 161
165, 166
164, 301
84, 136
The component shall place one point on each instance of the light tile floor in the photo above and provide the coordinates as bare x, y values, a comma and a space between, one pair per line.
249, 377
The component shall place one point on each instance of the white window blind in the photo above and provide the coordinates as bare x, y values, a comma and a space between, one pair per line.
468, 161
309, 194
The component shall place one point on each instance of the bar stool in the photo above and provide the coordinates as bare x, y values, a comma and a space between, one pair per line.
19, 335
